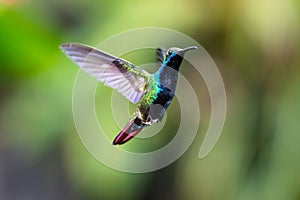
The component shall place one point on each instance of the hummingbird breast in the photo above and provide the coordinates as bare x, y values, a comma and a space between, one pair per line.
164, 97
154, 112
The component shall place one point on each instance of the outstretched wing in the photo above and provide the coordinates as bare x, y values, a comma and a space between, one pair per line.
160, 55
119, 74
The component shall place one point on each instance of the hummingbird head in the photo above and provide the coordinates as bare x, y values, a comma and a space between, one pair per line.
179, 51
175, 56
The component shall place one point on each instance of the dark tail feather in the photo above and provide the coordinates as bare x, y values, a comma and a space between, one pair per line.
131, 130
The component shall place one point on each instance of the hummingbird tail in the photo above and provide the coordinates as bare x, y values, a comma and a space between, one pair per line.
131, 130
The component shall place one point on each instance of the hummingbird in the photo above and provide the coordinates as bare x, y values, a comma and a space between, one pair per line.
152, 93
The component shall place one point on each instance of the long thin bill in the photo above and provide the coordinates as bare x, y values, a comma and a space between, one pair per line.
188, 48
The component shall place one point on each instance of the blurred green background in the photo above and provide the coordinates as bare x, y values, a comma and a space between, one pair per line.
256, 46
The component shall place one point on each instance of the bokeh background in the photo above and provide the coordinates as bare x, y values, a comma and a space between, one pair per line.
256, 46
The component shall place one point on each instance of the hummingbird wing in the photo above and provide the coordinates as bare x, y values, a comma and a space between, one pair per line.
117, 73
160, 55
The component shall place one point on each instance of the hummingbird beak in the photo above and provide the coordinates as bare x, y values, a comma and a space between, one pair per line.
183, 51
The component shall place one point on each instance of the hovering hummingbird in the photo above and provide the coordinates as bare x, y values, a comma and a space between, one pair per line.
152, 92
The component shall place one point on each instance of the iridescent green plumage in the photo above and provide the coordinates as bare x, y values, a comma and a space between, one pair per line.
150, 95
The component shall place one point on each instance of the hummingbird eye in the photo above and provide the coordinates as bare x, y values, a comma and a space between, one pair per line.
169, 52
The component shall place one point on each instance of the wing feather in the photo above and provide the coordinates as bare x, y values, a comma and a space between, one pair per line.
114, 72
160, 55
